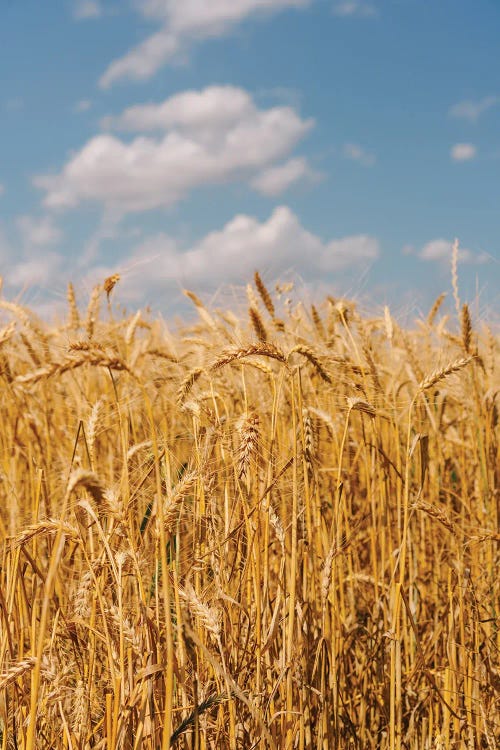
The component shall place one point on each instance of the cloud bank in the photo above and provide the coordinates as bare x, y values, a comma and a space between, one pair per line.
160, 262
231, 255
195, 138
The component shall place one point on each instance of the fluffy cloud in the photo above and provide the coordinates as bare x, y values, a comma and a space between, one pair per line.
275, 180
354, 8
34, 270
441, 250
25, 264
463, 152
356, 153
213, 136
472, 110
182, 23
38, 232
231, 254
85, 9
211, 109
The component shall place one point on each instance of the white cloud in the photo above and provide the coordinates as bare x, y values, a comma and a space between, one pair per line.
354, 8
38, 232
463, 152
82, 106
184, 22
441, 250
212, 108
231, 254
356, 153
276, 180
212, 137
85, 9
37, 270
275, 245
472, 110
24, 263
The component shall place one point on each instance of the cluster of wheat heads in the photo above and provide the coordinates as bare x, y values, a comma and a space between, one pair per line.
276, 529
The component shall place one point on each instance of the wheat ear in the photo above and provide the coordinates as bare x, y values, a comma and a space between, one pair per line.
437, 375
264, 294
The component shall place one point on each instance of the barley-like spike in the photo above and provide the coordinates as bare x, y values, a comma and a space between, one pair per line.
201, 708
435, 309
326, 574
309, 439
466, 327
258, 324
132, 327
74, 315
264, 349
389, 326
208, 616
264, 294
249, 440
437, 375
308, 353
110, 283
7, 332
48, 526
357, 404
188, 382
90, 481
15, 671
92, 311
318, 323
436, 513
202, 310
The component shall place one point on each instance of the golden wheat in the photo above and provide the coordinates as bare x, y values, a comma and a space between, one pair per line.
212, 541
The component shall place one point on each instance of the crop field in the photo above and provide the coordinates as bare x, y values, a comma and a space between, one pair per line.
274, 527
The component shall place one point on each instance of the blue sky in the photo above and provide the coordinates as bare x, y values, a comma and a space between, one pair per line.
188, 143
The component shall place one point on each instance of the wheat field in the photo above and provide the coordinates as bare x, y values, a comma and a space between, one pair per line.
275, 527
